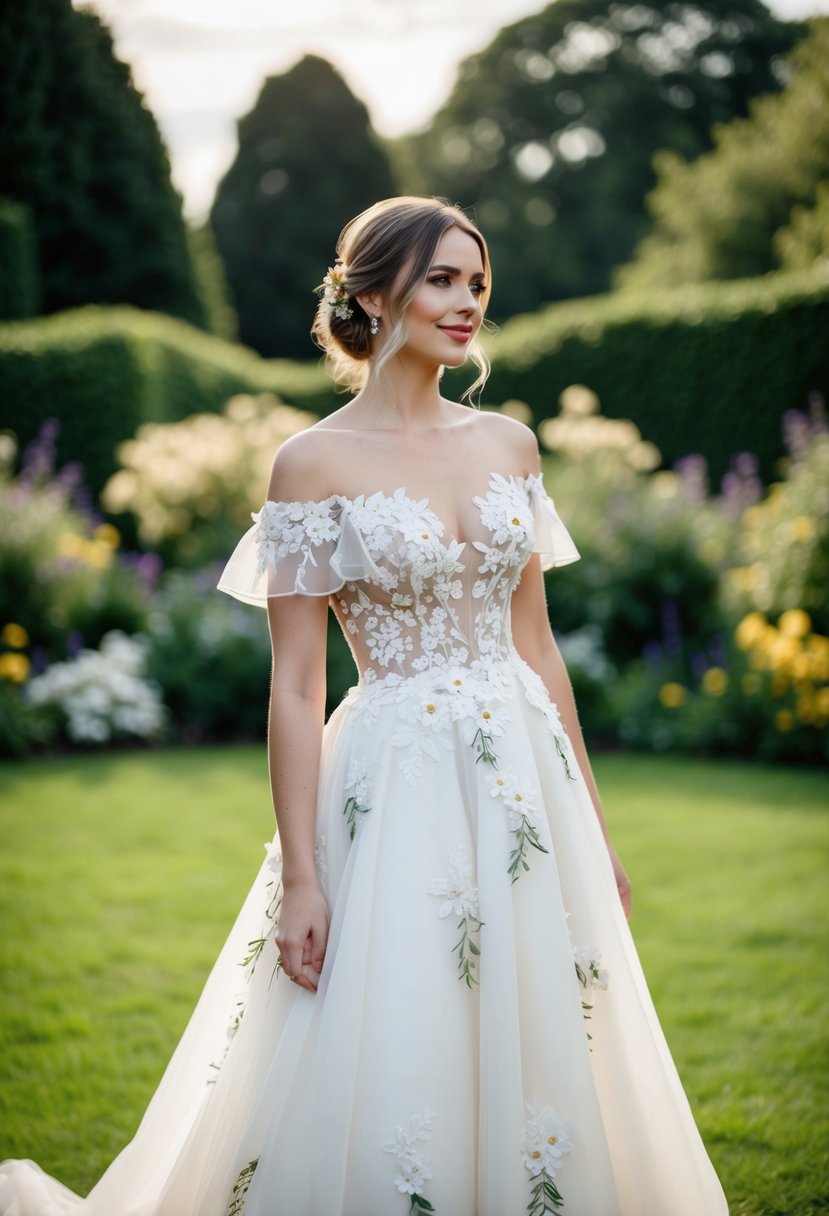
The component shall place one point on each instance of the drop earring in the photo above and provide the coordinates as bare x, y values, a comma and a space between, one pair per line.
374, 327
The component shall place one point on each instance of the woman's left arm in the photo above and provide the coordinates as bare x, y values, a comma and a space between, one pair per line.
536, 645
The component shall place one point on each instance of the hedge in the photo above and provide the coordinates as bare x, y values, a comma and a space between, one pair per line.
102, 371
18, 262
708, 369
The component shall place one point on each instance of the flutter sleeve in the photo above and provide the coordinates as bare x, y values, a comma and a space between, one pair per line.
552, 540
297, 548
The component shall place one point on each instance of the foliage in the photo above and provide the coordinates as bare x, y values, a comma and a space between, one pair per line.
19, 287
80, 148
307, 161
210, 655
710, 368
102, 694
550, 132
804, 243
101, 372
193, 484
716, 217
211, 284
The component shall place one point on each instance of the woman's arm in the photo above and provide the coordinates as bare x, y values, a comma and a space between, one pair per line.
295, 721
535, 644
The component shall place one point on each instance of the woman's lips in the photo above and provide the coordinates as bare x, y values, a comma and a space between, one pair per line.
458, 333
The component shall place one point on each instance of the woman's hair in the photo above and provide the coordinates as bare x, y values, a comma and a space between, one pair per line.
373, 249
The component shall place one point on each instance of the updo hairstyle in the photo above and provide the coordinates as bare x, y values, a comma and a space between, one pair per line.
374, 248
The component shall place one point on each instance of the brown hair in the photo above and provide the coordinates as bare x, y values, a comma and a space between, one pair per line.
374, 247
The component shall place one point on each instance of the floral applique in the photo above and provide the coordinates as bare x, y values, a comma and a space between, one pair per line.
240, 1189
590, 974
461, 899
413, 1170
519, 799
284, 528
546, 1141
358, 789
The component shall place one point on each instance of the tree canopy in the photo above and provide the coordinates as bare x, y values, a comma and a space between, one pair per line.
760, 200
82, 151
307, 161
550, 131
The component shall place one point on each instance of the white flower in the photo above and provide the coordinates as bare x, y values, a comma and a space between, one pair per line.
273, 857
457, 892
358, 781
517, 796
589, 970
545, 1140
413, 1166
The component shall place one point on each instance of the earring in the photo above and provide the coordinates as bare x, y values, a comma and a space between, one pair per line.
374, 327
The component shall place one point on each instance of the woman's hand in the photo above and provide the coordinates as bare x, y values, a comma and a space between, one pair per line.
302, 933
622, 882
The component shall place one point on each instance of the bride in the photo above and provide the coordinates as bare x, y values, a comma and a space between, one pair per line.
431, 1000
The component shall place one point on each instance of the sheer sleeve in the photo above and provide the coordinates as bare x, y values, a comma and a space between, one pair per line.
297, 548
552, 540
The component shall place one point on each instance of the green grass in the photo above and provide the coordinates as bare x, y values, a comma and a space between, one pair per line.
120, 876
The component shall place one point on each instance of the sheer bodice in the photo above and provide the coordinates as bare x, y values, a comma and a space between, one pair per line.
409, 598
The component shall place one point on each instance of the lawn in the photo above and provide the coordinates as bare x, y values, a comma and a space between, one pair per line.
120, 875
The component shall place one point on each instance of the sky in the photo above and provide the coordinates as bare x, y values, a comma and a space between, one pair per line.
201, 63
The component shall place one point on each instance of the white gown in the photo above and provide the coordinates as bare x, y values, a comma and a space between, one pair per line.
483, 1042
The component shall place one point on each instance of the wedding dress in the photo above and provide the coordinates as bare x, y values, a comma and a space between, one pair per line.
482, 1042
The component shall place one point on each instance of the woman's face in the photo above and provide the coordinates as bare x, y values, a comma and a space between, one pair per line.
446, 312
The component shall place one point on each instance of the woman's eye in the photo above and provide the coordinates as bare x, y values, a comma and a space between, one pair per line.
478, 288
440, 279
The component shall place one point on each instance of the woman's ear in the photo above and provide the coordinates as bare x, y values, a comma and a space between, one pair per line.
370, 302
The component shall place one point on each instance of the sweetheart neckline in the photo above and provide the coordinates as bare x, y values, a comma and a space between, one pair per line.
527, 481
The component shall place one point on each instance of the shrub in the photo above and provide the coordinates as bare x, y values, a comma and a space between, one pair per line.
102, 372
710, 368
192, 485
18, 262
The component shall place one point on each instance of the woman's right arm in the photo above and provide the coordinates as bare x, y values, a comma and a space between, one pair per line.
297, 712
298, 627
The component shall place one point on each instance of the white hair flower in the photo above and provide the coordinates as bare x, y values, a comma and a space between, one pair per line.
335, 294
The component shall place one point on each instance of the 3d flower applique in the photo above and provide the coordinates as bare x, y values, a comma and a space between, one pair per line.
519, 800
413, 1170
546, 1141
461, 899
358, 789
590, 974
236, 1206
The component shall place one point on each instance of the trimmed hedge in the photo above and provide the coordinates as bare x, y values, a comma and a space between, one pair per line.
101, 372
709, 369
18, 261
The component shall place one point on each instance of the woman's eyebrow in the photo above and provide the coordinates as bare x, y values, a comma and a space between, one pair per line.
479, 274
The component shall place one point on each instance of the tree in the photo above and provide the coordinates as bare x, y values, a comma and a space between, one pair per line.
308, 161
81, 150
754, 203
549, 133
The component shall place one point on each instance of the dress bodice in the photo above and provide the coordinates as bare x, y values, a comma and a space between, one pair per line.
408, 597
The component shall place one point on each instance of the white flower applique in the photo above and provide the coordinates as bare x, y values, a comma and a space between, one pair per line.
358, 789
461, 899
413, 1170
293, 527
519, 799
590, 974
545, 1142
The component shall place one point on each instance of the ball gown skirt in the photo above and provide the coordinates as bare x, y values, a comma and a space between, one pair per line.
482, 1042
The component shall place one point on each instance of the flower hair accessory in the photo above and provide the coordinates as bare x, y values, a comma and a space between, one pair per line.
335, 294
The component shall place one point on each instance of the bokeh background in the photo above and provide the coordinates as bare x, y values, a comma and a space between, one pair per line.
653, 178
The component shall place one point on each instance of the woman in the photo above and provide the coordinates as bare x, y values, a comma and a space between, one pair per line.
448, 908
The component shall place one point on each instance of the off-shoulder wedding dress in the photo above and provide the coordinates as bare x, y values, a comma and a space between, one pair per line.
483, 1042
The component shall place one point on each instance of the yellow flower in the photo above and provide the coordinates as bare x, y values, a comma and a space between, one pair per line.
14, 667
673, 695
795, 623
107, 535
715, 681
750, 683
802, 528
14, 636
784, 720
784, 651
750, 629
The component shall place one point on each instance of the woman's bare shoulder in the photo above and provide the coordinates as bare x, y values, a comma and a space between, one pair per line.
305, 466
513, 439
